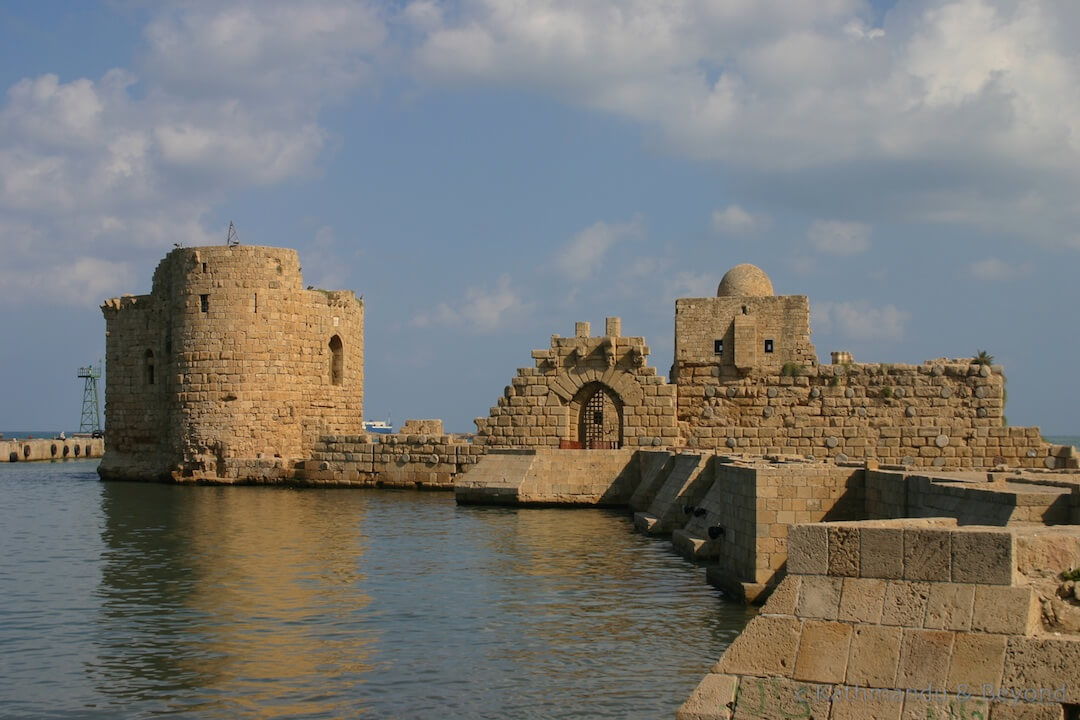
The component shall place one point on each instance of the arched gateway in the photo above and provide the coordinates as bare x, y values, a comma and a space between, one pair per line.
585, 392
599, 417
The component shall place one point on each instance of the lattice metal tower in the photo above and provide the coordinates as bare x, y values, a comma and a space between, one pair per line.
91, 407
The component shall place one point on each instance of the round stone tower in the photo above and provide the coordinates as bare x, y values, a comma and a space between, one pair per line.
237, 361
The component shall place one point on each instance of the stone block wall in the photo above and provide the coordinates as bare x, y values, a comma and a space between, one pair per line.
743, 520
897, 619
946, 414
993, 499
745, 327
137, 413
424, 461
228, 359
544, 406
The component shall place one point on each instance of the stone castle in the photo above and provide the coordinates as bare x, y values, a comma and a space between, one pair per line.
900, 526
230, 370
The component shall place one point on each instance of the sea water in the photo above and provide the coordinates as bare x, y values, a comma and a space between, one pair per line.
137, 600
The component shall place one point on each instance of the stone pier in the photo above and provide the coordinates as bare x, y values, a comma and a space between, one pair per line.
35, 449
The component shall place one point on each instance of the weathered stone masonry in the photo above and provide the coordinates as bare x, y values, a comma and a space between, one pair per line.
585, 392
746, 380
229, 369
908, 619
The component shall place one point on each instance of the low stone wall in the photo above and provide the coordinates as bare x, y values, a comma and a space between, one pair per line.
973, 498
399, 460
34, 449
735, 512
900, 619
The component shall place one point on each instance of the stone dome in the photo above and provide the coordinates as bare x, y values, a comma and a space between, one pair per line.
745, 281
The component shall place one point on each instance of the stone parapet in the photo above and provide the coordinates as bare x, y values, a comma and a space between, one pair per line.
427, 461
898, 619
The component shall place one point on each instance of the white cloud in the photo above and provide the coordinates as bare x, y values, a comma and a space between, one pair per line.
481, 311
858, 320
836, 237
734, 220
583, 255
690, 284
992, 269
423, 15
272, 52
83, 281
857, 29
951, 110
228, 97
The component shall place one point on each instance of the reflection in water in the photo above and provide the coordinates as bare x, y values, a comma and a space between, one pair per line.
132, 600
231, 599
593, 607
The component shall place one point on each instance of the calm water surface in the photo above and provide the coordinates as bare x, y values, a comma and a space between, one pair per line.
131, 600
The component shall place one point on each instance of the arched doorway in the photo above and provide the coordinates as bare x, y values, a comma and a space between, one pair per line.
599, 418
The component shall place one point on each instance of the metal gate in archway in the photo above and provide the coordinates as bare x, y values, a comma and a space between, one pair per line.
600, 421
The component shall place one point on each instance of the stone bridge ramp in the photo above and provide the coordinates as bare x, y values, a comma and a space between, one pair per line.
686, 483
550, 477
654, 467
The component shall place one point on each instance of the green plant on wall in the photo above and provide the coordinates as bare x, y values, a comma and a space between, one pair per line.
887, 391
983, 358
1073, 574
792, 369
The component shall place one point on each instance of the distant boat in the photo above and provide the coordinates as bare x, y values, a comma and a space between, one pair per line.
379, 426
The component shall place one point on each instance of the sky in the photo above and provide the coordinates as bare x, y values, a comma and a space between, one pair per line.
487, 172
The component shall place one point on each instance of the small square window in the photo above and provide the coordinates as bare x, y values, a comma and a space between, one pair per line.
718, 347
768, 346
204, 301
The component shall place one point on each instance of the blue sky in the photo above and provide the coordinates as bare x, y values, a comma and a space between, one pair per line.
486, 172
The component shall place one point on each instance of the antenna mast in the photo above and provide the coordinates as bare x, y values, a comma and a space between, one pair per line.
91, 406
233, 237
